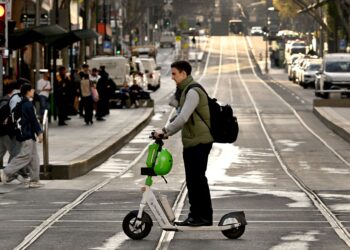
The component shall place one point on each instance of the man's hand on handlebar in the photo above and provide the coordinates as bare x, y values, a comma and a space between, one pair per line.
159, 134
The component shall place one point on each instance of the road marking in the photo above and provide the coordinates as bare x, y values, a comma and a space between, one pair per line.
113, 242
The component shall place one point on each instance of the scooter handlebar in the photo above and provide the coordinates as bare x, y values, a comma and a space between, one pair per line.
154, 135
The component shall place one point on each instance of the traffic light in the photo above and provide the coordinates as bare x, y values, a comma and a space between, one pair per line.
2, 24
119, 49
166, 23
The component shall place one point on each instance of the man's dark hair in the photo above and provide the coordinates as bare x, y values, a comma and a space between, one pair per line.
20, 82
25, 88
182, 66
85, 65
61, 69
8, 88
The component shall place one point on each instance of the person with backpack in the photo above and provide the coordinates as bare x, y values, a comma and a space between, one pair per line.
28, 129
197, 142
8, 142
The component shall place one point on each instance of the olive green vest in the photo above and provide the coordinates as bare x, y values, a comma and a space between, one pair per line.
195, 131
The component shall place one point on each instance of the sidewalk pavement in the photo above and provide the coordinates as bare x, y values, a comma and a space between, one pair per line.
77, 148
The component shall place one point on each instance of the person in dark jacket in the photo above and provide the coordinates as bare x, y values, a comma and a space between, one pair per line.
105, 88
29, 130
62, 82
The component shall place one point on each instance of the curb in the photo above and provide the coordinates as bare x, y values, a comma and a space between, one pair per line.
333, 126
97, 155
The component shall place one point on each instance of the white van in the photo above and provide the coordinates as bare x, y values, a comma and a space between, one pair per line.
334, 74
167, 38
117, 67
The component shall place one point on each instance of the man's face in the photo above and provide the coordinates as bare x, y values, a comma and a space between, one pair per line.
30, 93
86, 70
178, 76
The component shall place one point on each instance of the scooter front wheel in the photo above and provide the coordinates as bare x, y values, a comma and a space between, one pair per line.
231, 219
137, 229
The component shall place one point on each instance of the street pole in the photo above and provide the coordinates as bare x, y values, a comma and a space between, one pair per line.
2, 50
266, 55
37, 46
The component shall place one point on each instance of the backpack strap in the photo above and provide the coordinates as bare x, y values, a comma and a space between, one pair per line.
197, 85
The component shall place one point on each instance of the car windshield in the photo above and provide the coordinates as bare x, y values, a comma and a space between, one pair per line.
314, 67
338, 66
298, 50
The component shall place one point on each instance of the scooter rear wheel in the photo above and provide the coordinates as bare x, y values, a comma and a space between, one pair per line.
233, 233
132, 230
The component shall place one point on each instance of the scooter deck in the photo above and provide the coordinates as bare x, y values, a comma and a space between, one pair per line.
203, 228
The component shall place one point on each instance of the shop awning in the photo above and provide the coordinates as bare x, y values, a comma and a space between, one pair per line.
64, 40
42, 34
52, 35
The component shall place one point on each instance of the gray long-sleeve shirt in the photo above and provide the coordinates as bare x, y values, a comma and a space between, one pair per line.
190, 104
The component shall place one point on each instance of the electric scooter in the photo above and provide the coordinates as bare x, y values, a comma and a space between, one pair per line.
137, 224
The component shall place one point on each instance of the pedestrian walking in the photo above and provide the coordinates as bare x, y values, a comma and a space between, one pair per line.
12, 143
29, 129
8, 141
193, 115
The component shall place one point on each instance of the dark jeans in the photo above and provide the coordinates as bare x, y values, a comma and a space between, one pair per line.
196, 159
88, 108
44, 104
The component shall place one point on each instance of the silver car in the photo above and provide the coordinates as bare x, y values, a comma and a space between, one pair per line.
308, 74
334, 75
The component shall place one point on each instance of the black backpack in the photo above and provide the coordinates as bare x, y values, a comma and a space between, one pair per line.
224, 126
5, 116
16, 116
8, 120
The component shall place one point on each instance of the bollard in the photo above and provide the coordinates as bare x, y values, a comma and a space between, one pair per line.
46, 143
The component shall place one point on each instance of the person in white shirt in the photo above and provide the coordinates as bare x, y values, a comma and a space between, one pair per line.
43, 87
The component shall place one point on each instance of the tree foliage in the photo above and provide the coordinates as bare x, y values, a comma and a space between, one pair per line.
286, 8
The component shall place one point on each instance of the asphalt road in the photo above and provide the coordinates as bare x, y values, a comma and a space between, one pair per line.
287, 171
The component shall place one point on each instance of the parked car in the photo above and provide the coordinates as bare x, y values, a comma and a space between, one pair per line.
308, 73
167, 38
302, 64
333, 75
117, 67
294, 67
152, 72
294, 47
289, 64
256, 31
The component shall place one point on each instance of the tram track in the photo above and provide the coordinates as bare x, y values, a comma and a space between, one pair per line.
341, 231
335, 223
35, 234
166, 237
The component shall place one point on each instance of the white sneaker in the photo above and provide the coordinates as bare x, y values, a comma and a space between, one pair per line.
35, 184
21, 179
3, 176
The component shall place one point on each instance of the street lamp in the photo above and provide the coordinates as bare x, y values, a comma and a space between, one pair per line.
267, 38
